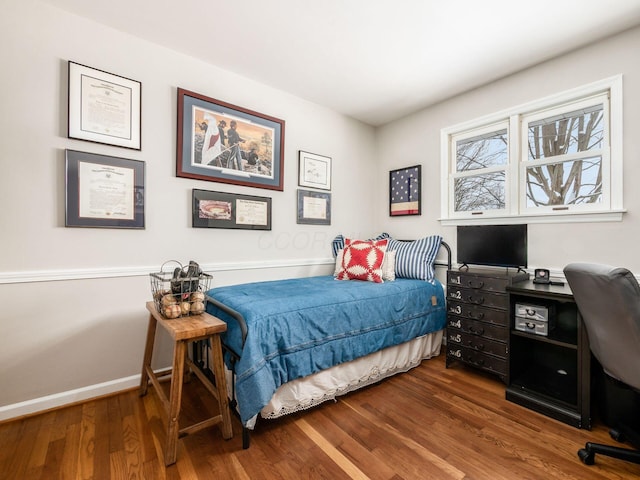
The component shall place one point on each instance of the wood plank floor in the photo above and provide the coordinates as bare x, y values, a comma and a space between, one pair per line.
429, 423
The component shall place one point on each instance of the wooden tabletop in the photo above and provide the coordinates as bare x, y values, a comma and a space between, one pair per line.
190, 327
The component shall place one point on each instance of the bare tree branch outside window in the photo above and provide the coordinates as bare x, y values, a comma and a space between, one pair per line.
572, 181
482, 190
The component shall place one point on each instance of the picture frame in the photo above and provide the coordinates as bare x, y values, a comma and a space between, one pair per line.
314, 171
204, 148
104, 107
103, 191
314, 208
405, 191
230, 210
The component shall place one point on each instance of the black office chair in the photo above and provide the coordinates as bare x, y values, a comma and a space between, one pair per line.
609, 302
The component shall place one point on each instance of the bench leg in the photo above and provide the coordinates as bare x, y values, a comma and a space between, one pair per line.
221, 385
175, 397
148, 352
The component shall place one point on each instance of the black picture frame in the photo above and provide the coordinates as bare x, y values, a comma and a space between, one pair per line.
314, 171
230, 210
203, 150
104, 107
405, 191
103, 191
314, 208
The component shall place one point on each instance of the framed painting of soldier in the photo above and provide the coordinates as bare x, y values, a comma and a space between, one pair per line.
220, 142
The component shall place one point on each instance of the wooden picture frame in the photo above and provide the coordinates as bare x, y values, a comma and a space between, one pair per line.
314, 171
405, 191
103, 191
230, 210
314, 208
205, 150
104, 108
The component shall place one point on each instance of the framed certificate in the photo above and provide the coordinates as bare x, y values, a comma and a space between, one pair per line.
104, 107
103, 191
230, 210
314, 208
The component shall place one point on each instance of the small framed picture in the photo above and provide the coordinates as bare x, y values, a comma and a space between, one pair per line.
230, 210
314, 208
104, 108
314, 170
103, 191
405, 191
220, 142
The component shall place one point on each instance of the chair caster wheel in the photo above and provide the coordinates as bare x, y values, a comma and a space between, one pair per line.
617, 435
587, 457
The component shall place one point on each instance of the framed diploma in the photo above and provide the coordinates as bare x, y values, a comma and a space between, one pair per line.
220, 142
104, 107
314, 208
103, 191
314, 171
230, 210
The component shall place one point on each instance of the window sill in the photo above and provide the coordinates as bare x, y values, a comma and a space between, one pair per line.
586, 217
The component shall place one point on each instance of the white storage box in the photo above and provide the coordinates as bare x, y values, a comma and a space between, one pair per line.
536, 319
532, 312
532, 326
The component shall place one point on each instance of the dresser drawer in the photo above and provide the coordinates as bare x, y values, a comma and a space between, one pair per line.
475, 312
478, 297
464, 325
477, 281
477, 359
477, 343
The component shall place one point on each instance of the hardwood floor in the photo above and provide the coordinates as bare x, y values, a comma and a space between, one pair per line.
429, 423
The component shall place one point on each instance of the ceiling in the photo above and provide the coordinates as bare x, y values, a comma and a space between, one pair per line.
374, 60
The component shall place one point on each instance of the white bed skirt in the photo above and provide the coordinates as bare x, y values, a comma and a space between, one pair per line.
306, 392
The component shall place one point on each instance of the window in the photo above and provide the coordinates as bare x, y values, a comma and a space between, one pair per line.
480, 171
558, 158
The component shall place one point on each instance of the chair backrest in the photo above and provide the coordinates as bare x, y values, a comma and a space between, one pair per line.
609, 301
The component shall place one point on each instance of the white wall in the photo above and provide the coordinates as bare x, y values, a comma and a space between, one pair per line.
416, 140
87, 326
83, 334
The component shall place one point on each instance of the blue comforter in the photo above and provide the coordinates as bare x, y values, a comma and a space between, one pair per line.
300, 326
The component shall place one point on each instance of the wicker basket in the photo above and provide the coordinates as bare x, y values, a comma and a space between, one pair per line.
181, 291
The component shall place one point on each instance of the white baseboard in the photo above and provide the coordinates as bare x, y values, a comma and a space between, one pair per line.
70, 397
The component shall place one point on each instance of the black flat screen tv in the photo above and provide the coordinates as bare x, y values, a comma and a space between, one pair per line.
493, 245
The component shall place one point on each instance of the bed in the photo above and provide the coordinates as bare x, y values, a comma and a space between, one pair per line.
292, 344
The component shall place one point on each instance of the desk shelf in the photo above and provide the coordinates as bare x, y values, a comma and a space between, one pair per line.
550, 374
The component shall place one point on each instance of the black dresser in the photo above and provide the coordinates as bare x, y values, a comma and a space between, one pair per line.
478, 322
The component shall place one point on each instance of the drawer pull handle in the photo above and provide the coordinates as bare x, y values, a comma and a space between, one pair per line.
475, 285
480, 331
477, 301
479, 316
479, 346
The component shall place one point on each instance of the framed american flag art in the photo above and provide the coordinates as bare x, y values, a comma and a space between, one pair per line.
405, 191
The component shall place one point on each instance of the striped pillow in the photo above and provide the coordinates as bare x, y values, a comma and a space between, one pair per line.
415, 259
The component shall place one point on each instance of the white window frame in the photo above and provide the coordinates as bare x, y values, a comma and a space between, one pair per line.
611, 209
454, 139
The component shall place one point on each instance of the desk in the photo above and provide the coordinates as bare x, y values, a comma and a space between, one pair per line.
184, 331
551, 373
